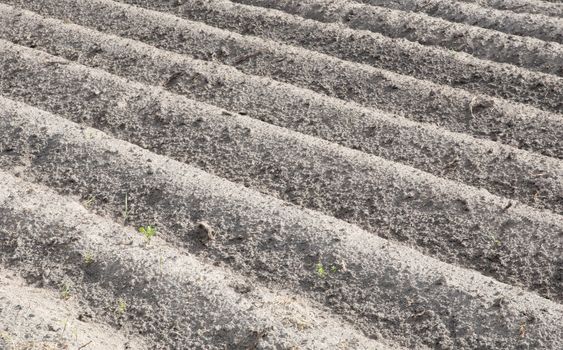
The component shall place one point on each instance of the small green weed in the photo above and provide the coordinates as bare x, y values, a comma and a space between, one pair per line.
320, 270
88, 202
121, 306
148, 231
126, 210
65, 292
494, 240
323, 271
88, 258
65, 324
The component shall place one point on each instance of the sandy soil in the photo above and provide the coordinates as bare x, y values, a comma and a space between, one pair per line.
319, 174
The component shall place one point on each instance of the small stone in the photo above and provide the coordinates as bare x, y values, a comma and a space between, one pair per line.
205, 231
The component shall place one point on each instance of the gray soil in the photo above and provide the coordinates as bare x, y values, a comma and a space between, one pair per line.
480, 115
397, 55
319, 175
37, 318
533, 25
544, 7
524, 51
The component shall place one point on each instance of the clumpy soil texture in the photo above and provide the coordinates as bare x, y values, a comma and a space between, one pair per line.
257, 174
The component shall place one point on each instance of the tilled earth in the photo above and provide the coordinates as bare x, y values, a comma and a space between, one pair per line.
318, 174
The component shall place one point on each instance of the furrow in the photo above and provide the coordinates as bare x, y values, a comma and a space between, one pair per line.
349, 185
526, 52
523, 6
543, 91
124, 108
481, 116
537, 26
387, 290
153, 289
36, 318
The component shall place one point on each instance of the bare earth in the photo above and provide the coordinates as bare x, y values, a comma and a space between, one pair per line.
317, 174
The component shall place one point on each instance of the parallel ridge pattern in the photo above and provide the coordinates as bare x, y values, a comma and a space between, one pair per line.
538, 26
527, 52
400, 56
373, 278
390, 169
543, 7
456, 109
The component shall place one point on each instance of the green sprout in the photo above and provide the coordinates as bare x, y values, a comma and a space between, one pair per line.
65, 323
321, 271
88, 202
148, 231
88, 258
65, 292
121, 306
495, 241
126, 210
